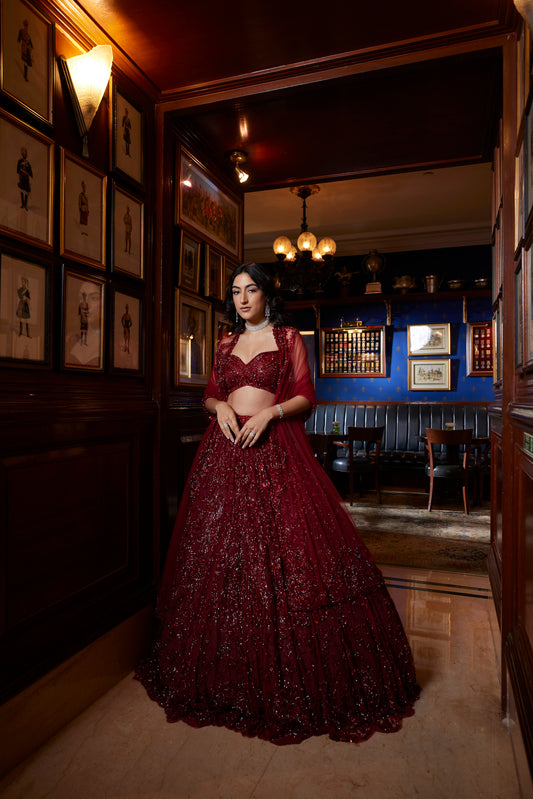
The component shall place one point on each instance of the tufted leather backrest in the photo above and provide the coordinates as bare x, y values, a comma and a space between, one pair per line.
404, 422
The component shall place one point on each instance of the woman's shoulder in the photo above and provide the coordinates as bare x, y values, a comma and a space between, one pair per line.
288, 331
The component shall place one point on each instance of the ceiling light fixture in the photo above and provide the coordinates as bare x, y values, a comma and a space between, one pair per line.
307, 244
86, 77
238, 157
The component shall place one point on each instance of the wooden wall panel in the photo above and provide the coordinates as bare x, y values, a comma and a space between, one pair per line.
77, 530
69, 515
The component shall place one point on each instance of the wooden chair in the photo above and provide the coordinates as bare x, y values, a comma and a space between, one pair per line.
452, 463
321, 444
364, 447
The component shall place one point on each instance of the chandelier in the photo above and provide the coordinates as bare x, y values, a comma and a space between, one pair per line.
307, 245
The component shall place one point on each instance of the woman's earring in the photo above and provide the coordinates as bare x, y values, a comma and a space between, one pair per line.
267, 310
236, 317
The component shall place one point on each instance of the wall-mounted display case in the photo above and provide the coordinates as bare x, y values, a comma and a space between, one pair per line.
357, 351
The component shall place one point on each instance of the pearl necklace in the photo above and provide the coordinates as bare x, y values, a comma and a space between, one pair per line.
254, 328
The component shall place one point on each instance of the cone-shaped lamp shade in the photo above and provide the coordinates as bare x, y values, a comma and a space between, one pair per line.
87, 76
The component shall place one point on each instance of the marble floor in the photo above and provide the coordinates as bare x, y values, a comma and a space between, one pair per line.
455, 746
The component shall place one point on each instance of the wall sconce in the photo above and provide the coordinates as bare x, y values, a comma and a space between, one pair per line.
86, 77
238, 157
525, 9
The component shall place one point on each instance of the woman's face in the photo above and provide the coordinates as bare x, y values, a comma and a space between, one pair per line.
248, 298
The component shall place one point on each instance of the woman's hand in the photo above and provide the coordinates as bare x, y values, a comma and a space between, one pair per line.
254, 427
227, 420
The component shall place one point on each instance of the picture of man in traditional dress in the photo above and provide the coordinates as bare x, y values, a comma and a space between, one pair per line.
23, 312
128, 227
25, 173
83, 205
126, 130
26, 48
127, 324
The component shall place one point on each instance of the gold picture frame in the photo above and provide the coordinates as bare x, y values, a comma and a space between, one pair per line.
83, 211
429, 374
429, 339
83, 321
192, 339
27, 184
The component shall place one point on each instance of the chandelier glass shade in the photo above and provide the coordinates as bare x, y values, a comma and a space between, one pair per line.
306, 244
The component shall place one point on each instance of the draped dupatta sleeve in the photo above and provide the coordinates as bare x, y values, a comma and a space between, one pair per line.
295, 378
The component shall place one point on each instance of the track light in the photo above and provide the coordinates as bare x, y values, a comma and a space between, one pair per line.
238, 157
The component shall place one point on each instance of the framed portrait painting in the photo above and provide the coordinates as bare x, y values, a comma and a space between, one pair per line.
192, 339
83, 197
127, 333
429, 374
26, 182
26, 63
127, 137
528, 309
432, 339
128, 233
189, 271
204, 207
83, 322
214, 273
221, 328
24, 311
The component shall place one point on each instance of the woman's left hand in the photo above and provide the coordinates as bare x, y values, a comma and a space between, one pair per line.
252, 429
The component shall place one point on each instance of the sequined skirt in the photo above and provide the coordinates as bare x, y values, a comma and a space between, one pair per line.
273, 618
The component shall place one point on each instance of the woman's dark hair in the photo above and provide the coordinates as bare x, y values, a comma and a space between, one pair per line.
263, 280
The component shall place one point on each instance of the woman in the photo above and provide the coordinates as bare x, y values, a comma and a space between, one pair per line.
274, 619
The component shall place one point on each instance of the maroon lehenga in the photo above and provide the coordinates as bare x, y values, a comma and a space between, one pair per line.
273, 617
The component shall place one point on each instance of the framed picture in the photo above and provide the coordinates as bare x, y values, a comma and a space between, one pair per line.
221, 328
429, 374
528, 163
479, 349
528, 308
229, 268
127, 333
518, 317
498, 357
192, 339
203, 207
189, 271
26, 61
128, 233
433, 339
83, 322
24, 311
519, 198
214, 273
27, 183
83, 192
127, 137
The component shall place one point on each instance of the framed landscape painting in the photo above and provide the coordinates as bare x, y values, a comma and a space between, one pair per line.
431, 339
429, 374
203, 206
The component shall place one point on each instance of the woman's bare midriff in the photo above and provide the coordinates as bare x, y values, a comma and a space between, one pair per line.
247, 401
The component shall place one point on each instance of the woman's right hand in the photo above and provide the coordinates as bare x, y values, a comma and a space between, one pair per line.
227, 420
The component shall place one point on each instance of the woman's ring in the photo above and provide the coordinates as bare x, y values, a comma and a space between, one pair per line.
225, 424
252, 435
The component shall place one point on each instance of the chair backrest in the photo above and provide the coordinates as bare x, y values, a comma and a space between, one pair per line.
369, 436
454, 438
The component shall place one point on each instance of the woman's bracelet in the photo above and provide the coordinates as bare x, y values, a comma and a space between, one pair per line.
280, 409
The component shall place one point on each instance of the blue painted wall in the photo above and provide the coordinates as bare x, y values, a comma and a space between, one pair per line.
393, 387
